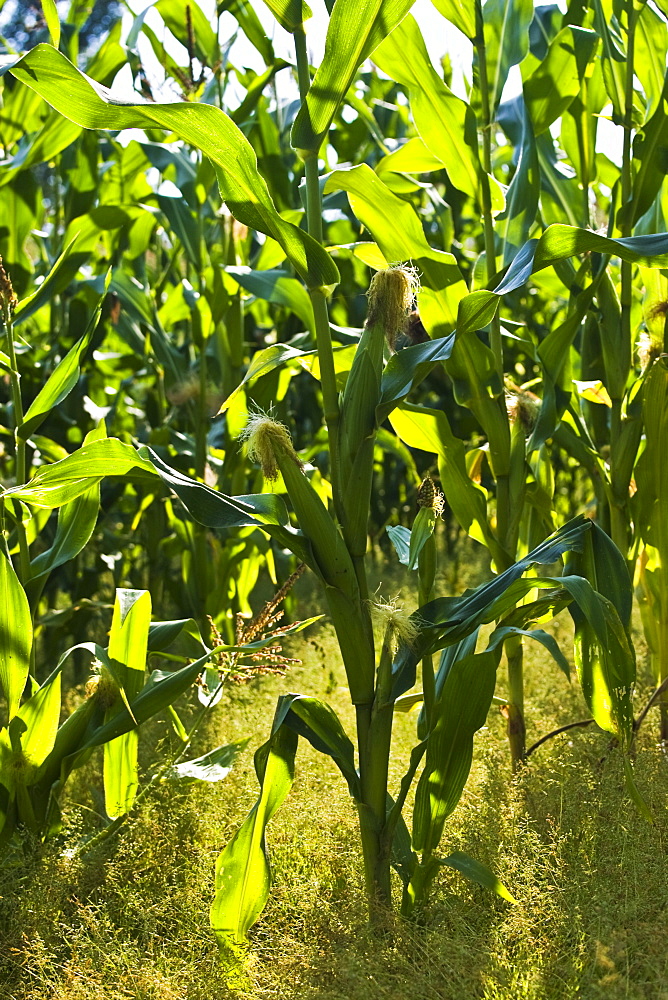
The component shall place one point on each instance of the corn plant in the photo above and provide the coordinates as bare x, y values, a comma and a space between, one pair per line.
360, 389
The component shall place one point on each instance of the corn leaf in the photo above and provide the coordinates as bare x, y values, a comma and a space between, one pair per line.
461, 13
277, 287
398, 232
519, 215
127, 652
613, 56
449, 619
63, 481
216, 510
243, 876
429, 430
506, 26
81, 100
52, 20
212, 766
356, 28
15, 633
58, 278
290, 14
63, 378
35, 725
651, 49
556, 82
476, 872
459, 712
320, 725
446, 124
188, 23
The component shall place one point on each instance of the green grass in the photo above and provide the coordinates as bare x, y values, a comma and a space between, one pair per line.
590, 876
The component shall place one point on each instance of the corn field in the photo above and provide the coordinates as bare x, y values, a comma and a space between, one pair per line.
277, 344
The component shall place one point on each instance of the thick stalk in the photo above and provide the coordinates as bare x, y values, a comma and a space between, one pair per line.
426, 576
319, 295
505, 501
485, 191
618, 520
515, 707
374, 737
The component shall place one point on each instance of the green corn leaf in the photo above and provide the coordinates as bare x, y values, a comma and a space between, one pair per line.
250, 24
81, 100
63, 481
604, 656
177, 15
398, 231
185, 226
290, 14
476, 872
459, 712
320, 725
127, 651
356, 28
177, 725
650, 160
55, 135
216, 510
429, 430
76, 523
519, 215
63, 378
35, 725
449, 619
58, 278
243, 876
411, 157
421, 532
161, 635
277, 287
461, 13
446, 124
499, 636
613, 57
15, 633
52, 20
651, 49
213, 508
651, 500
212, 766
560, 242
556, 82
401, 539
506, 27
264, 362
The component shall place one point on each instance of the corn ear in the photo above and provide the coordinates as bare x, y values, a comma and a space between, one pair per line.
331, 555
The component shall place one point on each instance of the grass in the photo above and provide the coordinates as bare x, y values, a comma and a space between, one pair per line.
590, 876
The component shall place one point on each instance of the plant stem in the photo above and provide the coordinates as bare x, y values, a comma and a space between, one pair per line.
374, 737
318, 296
506, 501
557, 732
618, 520
485, 190
515, 708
